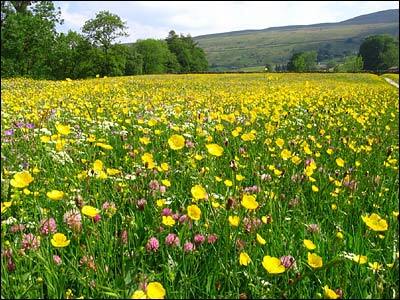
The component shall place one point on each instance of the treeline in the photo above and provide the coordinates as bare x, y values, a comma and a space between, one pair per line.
31, 46
377, 53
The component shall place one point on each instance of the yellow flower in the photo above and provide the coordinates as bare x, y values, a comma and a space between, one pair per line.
98, 165
314, 260
314, 188
249, 202
248, 137
330, 294
5, 206
296, 160
286, 154
361, 259
194, 212
63, 129
155, 290
375, 267
90, 211
340, 162
309, 244
139, 294
160, 202
273, 265
244, 259
104, 146
55, 195
215, 149
198, 192
339, 235
280, 142
260, 240
166, 182
239, 177
59, 240
164, 167
234, 220
21, 179
375, 222
168, 221
228, 182
113, 172
176, 142
144, 140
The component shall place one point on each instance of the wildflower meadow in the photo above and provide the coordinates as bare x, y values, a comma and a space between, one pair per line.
200, 186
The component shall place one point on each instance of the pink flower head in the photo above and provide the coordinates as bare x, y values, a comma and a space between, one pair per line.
166, 212
188, 247
199, 239
97, 218
212, 238
288, 261
152, 244
154, 185
141, 203
29, 241
17, 227
172, 240
48, 226
183, 218
73, 219
124, 237
57, 260
163, 189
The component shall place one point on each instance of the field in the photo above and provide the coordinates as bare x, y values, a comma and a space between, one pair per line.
394, 77
200, 186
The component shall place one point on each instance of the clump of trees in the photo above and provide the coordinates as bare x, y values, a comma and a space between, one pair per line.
303, 62
31, 47
379, 52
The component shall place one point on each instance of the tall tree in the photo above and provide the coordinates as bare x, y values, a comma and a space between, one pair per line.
379, 52
102, 31
303, 61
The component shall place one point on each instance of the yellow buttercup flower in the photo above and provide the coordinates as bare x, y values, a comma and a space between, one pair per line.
55, 195
314, 260
176, 142
248, 137
5, 205
63, 129
309, 244
139, 294
375, 222
340, 162
244, 259
155, 290
330, 294
234, 220
194, 212
198, 192
249, 202
228, 182
286, 154
260, 240
215, 149
273, 265
361, 259
168, 221
59, 240
90, 211
21, 179
280, 142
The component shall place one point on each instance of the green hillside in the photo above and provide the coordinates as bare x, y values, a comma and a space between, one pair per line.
250, 48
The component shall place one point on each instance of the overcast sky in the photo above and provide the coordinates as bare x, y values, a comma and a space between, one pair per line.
153, 19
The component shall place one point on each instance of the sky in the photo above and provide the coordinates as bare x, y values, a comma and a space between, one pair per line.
154, 19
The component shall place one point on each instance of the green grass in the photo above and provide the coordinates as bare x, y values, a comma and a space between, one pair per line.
276, 46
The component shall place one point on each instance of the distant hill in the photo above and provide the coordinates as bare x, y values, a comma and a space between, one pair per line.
275, 45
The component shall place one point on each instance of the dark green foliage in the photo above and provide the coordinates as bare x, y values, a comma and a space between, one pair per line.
303, 61
190, 57
351, 64
379, 52
31, 47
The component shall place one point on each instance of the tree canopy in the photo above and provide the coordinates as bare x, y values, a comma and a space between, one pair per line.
31, 46
379, 52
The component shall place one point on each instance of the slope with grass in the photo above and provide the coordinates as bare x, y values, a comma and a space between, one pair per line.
250, 48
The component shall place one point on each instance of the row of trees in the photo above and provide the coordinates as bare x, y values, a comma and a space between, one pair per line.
30, 46
377, 53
